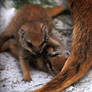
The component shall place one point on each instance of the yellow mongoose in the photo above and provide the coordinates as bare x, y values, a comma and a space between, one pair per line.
29, 38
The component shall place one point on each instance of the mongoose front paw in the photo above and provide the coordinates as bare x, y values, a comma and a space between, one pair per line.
26, 77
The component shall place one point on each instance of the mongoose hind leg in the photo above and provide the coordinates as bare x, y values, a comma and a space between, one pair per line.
5, 36
12, 46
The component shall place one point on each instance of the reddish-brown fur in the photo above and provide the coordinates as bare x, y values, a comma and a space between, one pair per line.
26, 28
80, 59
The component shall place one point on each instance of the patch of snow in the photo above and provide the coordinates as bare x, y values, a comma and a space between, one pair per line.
11, 75
6, 15
11, 78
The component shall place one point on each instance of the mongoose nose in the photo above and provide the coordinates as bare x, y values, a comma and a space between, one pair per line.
38, 53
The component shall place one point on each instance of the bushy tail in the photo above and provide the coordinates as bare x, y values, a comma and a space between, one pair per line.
80, 59
55, 11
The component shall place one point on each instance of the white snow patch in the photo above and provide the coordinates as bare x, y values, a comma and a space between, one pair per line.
11, 75
5, 17
11, 78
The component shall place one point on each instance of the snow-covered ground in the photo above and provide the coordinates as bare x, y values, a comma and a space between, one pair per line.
11, 78
11, 75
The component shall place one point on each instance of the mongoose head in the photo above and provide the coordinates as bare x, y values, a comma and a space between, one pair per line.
33, 36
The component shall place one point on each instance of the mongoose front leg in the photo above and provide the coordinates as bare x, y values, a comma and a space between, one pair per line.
25, 68
56, 59
57, 62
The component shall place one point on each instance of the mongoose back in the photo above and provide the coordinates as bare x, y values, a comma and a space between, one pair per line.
80, 59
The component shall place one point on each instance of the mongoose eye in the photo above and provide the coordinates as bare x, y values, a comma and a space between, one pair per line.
21, 33
29, 44
45, 32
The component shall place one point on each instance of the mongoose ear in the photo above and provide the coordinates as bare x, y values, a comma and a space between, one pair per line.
44, 28
54, 11
45, 31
